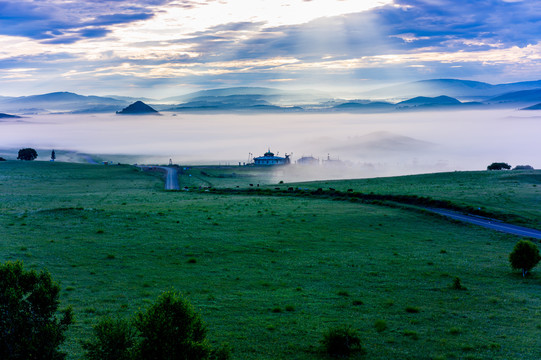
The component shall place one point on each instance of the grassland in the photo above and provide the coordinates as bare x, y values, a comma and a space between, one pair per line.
270, 274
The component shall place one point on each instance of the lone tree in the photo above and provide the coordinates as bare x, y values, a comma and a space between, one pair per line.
499, 166
53, 155
171, 329
29, 325
525, 256
27, 154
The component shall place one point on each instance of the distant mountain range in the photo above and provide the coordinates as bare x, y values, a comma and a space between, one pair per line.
419, 95
462, 89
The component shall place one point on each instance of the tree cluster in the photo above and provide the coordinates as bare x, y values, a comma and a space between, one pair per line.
499, 166
28, 154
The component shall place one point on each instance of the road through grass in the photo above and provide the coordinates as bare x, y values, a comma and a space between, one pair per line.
269, 274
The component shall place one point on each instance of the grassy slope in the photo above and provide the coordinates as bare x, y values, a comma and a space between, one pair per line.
515, 193
115, 240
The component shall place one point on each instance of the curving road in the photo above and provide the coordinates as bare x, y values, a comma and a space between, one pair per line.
490, 223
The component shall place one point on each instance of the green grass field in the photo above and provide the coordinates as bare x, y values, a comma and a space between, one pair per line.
270, 274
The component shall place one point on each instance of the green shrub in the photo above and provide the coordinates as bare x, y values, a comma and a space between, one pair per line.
525, 256
29, 324
457, 285
171, 329
380, 325
113, 339
341, 341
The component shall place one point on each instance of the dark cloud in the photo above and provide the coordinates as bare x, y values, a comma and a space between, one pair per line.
68, 22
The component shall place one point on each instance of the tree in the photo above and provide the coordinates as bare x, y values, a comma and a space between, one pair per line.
499, 166
2, 159
171, 329
113, 339
29, 325
53, 155
525, 256
27, 154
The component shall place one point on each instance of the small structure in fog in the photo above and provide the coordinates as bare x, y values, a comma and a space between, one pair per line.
268, 159
332, 162
308, 160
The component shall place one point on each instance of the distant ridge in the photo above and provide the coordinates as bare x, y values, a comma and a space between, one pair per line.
451, 87
8, 116
534, 107
429, 101
137, 107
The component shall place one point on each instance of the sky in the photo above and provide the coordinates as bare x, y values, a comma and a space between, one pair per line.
161, 48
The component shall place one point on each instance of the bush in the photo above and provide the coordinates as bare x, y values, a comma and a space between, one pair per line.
341, 341
168, 329
171, 329
113, 339
380, 325
499, 166
457, 284
525, 256
29, 326
27, 154
2, 159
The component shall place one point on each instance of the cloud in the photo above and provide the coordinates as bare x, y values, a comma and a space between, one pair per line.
67, 22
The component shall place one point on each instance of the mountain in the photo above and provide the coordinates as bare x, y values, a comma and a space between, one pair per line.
272, 96
57, 102
524, 96
137, 108
463, 89
223, 93
354, 106
533, 107
236, 102
8, 116
429, 101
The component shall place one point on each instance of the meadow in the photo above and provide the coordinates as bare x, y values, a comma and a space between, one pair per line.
269, 274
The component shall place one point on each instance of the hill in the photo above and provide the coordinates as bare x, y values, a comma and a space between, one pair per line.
429, 101
137, 108
523, 96
462, 89
57, 102
268, 269
533, 107
8, 116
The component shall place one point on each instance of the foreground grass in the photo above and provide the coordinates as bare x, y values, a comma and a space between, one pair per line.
269, 274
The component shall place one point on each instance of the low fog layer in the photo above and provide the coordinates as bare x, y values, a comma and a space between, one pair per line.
366, 144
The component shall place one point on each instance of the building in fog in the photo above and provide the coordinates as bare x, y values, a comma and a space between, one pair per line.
308, 160
268, 159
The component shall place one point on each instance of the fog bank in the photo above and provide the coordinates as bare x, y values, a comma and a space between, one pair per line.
367, 144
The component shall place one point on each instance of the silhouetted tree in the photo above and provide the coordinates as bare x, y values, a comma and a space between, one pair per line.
499, 166
525, 256
29, 326
2, 159
53, 155
27, 154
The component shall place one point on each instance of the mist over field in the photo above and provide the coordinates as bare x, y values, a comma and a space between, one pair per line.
367, 144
